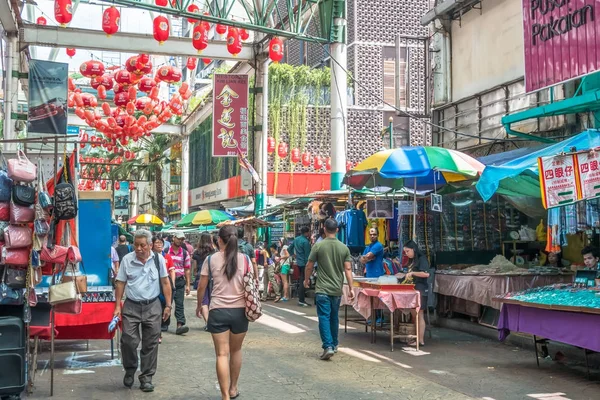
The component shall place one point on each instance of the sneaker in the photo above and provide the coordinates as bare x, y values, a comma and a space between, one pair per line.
327, 354
164, 328
182, 329
303, 304
379, 322
147, 387
128, 379
284, 299
335, 349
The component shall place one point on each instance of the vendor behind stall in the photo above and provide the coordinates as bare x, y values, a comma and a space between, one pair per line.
418, 272
591, 256
372, 257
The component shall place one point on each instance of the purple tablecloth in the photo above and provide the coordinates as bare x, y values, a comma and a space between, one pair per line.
574, 328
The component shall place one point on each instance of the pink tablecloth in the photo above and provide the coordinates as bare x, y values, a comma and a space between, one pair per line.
392, 300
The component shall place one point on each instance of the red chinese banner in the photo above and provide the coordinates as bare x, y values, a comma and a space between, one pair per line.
559, 180
589, 173
230, 114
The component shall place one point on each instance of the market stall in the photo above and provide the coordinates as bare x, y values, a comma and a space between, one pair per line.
560, 313
371, 295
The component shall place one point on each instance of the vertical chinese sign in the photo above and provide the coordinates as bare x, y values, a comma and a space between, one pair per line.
589, 172
559, 180
230, 114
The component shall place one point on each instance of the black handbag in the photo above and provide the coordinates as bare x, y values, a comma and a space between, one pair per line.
23, 195
15, 278
65, 199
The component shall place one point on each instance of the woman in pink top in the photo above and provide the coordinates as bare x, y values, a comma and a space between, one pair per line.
227, 320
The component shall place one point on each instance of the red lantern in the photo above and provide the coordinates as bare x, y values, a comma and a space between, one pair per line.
200, 37
117, 185
169, 74
106, 109
103, 185
295, 156
104, 80
270, 145
349, 165
221, 29
192, 63
206, 61
146, 84
101, 92
123, 77
161, 29
41, 21
175, 105
121, 99
91, 69
318, 163
70, 52
89, 100
141, 103
306, 159
234, 44
193, 9
328, 163
63, 11
110, 21
161, 3
282, 150
144, 58
132, 92
244, 35
276, 49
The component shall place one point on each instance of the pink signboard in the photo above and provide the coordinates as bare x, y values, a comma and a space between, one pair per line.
562, 40
230, 114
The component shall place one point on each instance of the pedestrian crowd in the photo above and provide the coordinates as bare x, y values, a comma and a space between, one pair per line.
156, 272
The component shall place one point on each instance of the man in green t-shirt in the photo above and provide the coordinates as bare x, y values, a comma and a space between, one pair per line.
334, 261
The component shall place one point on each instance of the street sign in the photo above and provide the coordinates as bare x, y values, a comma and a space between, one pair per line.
559, 180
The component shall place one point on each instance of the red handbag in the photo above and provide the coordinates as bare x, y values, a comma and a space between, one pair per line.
5, 211
57, 255
73, 254
17, 236
17, 257
21, 214
71, 307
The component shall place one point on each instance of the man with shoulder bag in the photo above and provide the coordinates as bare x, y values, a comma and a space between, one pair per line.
142, 277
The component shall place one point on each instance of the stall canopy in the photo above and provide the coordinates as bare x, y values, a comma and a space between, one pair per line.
519, 177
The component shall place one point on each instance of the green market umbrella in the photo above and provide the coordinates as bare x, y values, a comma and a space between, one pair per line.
204, 217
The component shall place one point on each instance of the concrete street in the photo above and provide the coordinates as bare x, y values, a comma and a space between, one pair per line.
281, 362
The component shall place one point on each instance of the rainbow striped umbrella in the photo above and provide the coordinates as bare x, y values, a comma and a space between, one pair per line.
145, 219
414, 167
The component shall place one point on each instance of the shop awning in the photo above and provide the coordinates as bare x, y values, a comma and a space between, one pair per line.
520, 175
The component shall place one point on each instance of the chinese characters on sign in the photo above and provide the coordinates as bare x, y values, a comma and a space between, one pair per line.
559, 180
589, 172
230, 115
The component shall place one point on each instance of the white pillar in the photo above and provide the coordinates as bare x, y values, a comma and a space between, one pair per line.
260, 138
133, 202
339, 109
185, 174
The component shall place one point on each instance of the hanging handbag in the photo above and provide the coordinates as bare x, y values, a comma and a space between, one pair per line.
17, 237
21, 214
23, 195
5, 185
79, 278
20, 169
65, 199
5, 211
73, 254
56, 255
41, 227
71, 307
35, 259
17, 257
15, 278
9, 296
62, 292
44, 199
253, 308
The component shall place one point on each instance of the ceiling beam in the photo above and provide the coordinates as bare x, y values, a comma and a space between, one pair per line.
7, 18
54, 36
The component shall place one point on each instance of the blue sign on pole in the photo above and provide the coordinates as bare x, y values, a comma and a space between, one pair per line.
72, 130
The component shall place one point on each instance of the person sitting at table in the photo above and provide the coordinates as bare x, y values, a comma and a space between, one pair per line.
372, 259
553, 259
591, 256
418, 272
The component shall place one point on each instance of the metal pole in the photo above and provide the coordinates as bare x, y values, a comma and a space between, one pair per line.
11, 90
260, 138
339, 107
391, 129
414, 227
185, 173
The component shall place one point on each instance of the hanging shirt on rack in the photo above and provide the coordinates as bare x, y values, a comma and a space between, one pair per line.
352, 225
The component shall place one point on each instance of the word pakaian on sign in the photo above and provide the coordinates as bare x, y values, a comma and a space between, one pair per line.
557, 25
